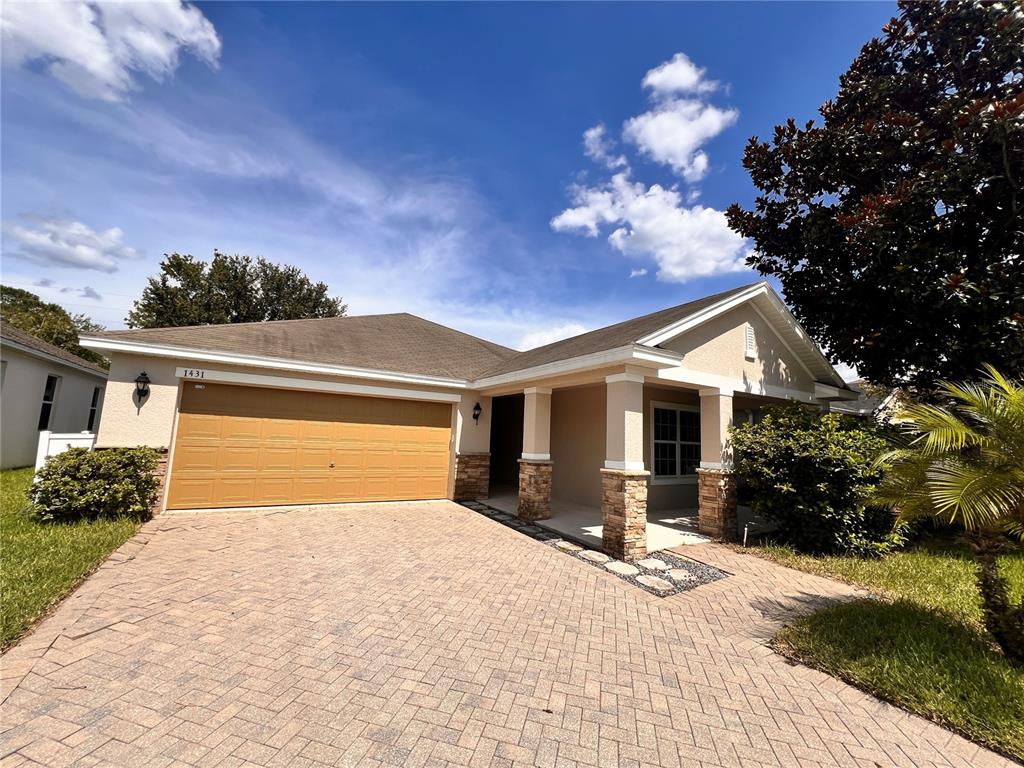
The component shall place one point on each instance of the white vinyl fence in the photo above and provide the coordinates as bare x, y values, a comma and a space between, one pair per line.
52, 443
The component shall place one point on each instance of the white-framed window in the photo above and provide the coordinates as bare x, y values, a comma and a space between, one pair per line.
49, 399
675, 443
94, 407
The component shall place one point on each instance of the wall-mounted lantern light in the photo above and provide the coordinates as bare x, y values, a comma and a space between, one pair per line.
142, 385
477, 410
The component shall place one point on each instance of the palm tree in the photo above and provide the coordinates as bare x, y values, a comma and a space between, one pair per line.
963, 463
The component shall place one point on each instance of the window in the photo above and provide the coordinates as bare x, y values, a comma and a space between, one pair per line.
675, 431
93, 407
49, 397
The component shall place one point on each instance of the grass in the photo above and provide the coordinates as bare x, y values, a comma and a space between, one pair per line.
920, 644
42, 562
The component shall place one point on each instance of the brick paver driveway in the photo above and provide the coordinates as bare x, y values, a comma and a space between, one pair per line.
425, 634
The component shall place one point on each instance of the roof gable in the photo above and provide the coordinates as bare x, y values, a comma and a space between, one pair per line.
34, 345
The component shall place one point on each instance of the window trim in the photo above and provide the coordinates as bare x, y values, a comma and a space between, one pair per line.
52, 402
671, 479
94, 409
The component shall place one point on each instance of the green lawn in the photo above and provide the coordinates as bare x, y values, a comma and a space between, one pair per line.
41, 562
919, 642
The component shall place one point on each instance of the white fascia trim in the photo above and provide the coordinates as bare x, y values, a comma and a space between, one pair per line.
627, 466
615, 378
787, 315
53, 358
232, 358
698, 318
729, 386
536, 456
313, 385
632, 354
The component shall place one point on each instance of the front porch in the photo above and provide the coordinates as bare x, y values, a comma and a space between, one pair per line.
584, 523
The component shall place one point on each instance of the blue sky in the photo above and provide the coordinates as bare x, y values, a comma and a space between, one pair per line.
428, 158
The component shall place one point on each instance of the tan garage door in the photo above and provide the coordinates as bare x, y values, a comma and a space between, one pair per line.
247, 446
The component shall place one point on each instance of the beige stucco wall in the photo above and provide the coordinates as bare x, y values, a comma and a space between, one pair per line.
578, 443
536, 422
718, 347
21, 397
471, 436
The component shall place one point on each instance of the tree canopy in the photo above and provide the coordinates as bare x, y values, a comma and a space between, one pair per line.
49, 322
896, 226
229, 289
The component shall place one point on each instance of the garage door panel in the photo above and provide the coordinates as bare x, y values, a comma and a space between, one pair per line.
245, 446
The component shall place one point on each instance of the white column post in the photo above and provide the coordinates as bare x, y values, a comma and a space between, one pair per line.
716, 491
624, 432
715, 420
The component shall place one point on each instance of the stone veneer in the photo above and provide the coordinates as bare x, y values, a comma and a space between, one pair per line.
534, 489
472, 476
716, 503
624, 513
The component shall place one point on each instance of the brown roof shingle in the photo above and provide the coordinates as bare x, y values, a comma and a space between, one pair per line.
16, 336
609, 337
401, 342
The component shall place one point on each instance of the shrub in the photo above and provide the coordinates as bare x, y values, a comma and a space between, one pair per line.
812, 474
81, 484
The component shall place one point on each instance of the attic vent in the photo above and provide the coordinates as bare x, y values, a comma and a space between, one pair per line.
750, 344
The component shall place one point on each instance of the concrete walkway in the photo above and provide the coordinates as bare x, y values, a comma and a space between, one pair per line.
426, 634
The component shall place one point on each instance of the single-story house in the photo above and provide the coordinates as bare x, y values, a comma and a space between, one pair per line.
626, 420
43, 387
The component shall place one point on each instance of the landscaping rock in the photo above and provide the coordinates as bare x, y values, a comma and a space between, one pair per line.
655, 582
568, 546
623, 569
595, 557
653, 564
682, 575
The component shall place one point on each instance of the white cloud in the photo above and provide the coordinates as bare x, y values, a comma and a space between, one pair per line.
95, 47
673, 132
58, 242
597, 146
678, 75
550, 335
638, 272
651, 221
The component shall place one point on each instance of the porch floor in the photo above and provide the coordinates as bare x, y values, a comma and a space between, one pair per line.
583, 523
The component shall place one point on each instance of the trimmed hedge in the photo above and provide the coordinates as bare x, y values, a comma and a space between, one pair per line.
80, 484
812, 473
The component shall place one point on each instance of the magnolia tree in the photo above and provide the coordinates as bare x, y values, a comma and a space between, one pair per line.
896, 224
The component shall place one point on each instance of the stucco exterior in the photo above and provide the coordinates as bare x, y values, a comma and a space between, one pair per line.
717, 347
578, 443
21, 395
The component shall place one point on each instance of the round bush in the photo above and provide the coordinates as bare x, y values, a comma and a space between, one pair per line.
811, 473
79, 484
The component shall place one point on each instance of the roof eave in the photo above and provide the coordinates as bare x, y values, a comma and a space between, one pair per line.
276, 363
84, 367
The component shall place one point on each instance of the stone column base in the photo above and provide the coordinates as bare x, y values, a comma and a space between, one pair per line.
534, 489
716, 503
624, 513
472, 476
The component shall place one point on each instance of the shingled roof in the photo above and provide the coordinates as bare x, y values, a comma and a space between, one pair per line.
8, 333
400, 342
609, 337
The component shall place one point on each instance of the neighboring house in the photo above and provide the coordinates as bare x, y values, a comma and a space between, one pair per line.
43, 387
871, 403
621, 420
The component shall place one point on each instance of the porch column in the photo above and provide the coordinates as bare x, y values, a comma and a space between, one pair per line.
623, 477
716, 497
535, 465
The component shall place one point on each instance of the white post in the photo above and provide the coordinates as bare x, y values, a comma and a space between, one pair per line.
43, 448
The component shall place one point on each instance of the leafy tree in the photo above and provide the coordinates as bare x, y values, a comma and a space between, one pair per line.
49, 322
963, 463
896, 226
229, 289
